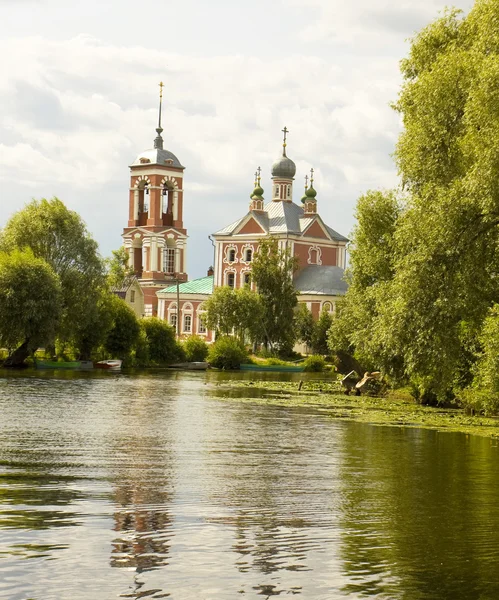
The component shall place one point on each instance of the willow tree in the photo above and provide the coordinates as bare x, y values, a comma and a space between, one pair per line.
445, 272
419, 310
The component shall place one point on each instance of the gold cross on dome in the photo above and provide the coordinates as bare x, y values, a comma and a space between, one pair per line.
285, 131
311, 177
258, 175
306, 182
161, 86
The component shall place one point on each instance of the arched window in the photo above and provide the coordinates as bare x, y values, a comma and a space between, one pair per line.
187, 318
313, 256
231, 279
276, 191
248, 255
232, 254
289, 191
247, 278
328, 307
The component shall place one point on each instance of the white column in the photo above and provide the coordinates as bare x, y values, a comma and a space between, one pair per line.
154, 255
136, 204
177, 256
131, 257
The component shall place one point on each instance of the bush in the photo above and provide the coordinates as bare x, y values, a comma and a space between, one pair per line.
227, 353
195, 348
162, 347
314, 364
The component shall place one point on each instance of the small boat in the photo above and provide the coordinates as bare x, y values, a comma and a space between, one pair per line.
110, 365
191, 366
273, 368
64, 364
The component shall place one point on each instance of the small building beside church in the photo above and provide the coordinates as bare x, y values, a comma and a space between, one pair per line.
156, 240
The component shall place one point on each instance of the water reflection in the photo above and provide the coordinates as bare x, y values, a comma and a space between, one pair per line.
156, 485
419, 515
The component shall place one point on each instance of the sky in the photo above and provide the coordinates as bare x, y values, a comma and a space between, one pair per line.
79, 96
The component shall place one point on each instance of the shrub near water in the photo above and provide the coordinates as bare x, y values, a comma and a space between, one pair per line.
195, 348
227, 353
314, 364
162, 347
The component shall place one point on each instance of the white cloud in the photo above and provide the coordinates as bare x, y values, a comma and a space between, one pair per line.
75, 112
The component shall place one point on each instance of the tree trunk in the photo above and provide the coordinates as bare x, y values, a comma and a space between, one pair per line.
17, 360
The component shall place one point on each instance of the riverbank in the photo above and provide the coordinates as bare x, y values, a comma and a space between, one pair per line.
398, 409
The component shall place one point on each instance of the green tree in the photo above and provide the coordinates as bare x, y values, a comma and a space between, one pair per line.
320, 333
238, 312
195, 348
124, 333
483, 394
118, 268
30, 303
58, 235
272, 273
227, 353
447, 241
304, 324
162, 346
354, 329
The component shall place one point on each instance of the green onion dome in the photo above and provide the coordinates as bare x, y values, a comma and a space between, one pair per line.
310, 193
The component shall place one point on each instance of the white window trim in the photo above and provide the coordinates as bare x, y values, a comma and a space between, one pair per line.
319, 255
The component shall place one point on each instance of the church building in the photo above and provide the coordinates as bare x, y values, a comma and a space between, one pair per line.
156, 240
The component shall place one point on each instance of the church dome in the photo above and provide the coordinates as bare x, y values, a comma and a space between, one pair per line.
158, 156
284, 167
311, 193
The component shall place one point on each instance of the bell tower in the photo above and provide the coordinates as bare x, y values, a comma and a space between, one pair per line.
155, 237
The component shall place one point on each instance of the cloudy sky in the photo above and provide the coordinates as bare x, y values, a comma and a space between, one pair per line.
78, 101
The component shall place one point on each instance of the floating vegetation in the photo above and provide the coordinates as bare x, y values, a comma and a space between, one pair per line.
328, 398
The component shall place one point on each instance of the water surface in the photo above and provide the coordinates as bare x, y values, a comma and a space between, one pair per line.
159, 486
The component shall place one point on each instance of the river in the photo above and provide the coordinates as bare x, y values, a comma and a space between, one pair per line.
159, 485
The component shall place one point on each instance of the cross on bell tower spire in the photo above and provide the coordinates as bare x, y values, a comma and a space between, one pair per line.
158, 141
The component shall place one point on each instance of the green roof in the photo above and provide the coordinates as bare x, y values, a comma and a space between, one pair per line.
196, 286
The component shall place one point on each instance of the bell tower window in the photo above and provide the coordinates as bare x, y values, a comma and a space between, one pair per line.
169, 260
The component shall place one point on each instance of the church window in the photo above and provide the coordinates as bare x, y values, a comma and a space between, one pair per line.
289, 191
201, 324
277, 191
248, 255
231, 278
169, 260
247, 279
132, 296
328, 307
187, 323
232, 255
173, 320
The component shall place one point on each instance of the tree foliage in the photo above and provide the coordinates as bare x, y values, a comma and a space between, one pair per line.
227, 353
195, 348
415, 311
304, 324
59, 236
162, 346
124, 333
272, 272
118, 268
30, 300
238, 312
320, 333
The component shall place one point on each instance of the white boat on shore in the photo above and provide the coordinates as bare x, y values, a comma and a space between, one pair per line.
109, 365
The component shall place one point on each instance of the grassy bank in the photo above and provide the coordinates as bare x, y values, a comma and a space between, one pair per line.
398, 409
